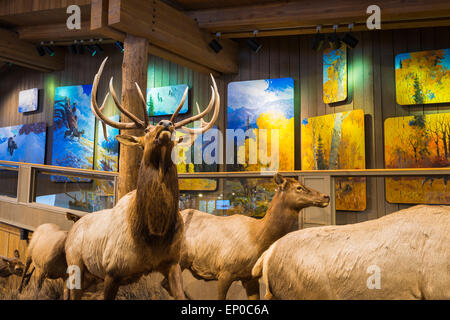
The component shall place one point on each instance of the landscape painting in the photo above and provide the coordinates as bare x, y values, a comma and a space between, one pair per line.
188, 165
107, 153
336, 141
164, 100
419, 141
262, 109
74, 128
23, 143
335, 75
28, 100
423, 77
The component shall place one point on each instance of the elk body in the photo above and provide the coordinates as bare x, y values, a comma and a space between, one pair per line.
9, 267
46, 252
143, 233
409, 249
226, 248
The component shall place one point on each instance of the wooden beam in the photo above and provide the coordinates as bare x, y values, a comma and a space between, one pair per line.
171, 30
342, 28
296, 14
57, 32
22, 53
99, 24
134, 70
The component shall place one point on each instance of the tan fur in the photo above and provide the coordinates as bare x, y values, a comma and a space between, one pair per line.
46, 252
9, 267
226, 248
411, 248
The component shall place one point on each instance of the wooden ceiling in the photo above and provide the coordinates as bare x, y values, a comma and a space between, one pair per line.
180, 30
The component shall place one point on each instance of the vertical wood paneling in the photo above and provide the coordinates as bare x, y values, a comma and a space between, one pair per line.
371, 87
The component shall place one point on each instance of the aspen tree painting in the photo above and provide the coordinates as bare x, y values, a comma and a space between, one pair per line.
335, 75
420, 141
423, 77
336, 141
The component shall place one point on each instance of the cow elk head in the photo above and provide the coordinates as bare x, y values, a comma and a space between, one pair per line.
157, 141
297, 196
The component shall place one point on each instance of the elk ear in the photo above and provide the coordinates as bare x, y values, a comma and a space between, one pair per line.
280, 180
130, 141
16, 254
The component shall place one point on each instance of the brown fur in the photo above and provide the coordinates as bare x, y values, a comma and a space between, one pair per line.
226, 248
12, 266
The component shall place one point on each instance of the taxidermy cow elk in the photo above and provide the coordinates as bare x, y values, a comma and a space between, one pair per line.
10, 267
144, 231
408, 249
226, 248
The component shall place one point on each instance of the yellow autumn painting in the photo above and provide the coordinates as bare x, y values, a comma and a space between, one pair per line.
335, 75
423, 77
419, 141
336, 141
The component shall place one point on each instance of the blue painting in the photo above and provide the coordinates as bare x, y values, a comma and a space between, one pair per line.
28, 100
74, 128
262, 104
164, 101
107, 158
23, 143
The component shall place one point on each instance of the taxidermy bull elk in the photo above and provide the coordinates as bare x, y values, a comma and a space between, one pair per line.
226, 248
143, 233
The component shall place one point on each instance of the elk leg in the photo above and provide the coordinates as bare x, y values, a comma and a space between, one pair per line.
224, 284
252, 289
24, 275
40, 282
111, 288
175, 282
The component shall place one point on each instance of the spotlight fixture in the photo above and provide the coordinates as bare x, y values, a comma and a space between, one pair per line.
215, 45
40, 50
333, 39
73, 47
23, 234
91, 49
98, 47
348, 39
49, 49
319, 40
253, 44
119, 45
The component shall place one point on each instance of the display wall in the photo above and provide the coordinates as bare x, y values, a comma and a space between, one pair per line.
371, 87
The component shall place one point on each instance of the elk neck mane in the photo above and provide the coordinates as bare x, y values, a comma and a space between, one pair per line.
155, 209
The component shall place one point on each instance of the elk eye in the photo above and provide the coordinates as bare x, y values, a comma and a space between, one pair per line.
300, 188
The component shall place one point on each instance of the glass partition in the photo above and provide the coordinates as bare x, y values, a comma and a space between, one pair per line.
8, 181
247, 196
74, 191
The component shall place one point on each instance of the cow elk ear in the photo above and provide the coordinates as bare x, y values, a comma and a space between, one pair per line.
280, 180
130, 141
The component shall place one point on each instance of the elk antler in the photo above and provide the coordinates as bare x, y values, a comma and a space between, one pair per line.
215, 100
136, 124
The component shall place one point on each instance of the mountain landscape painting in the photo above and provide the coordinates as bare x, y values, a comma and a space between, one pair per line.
164, 100
28, 100
336, 141
335, 75
23, 143
258, 107
419, 141
74, 128
107, 153
423, 77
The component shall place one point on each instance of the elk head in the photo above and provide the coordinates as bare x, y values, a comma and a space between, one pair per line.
297, 196
156, 141
15, 266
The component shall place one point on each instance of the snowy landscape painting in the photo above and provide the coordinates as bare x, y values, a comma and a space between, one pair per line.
23, 143
28, 100
74, 128
164, 100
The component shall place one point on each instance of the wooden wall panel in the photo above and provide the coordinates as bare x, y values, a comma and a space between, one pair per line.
371, 86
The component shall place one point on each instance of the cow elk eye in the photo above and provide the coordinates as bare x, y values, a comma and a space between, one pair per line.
300, 188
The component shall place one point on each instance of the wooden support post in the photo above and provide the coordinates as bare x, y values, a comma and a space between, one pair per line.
134, 69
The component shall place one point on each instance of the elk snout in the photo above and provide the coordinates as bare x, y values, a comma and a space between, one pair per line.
166, 124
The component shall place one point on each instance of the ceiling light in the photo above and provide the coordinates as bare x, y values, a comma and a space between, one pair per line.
333, 39
319, 40
350, 40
